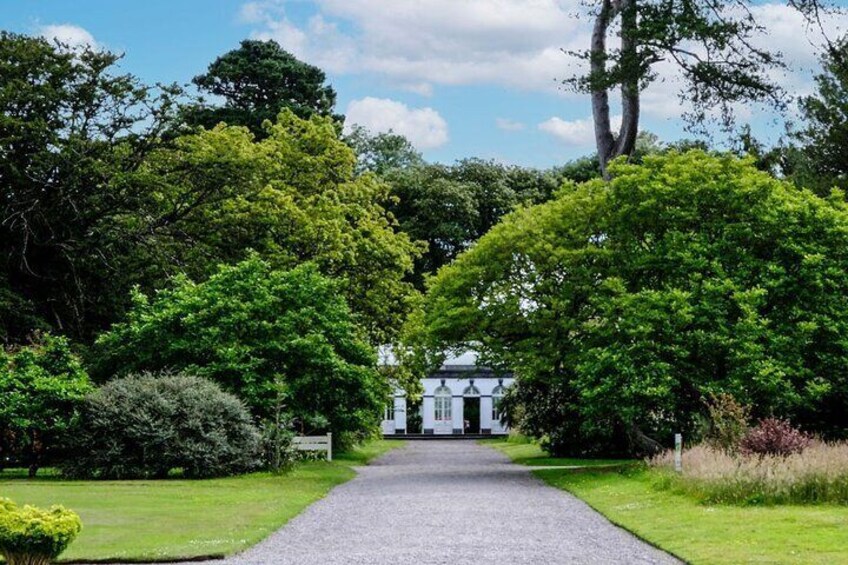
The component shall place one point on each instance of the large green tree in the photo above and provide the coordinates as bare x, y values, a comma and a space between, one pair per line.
255, 82
711, 45
70, 131
623, 305
292, 197
262, 334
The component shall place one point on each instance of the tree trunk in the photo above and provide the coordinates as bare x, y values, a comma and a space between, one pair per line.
609, 146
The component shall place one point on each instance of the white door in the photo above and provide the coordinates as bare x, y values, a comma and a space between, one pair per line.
389, 419
443, 420
497, 396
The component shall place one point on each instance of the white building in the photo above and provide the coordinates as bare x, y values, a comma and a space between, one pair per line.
460, 398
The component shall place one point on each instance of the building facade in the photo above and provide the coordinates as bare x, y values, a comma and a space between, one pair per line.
458, 399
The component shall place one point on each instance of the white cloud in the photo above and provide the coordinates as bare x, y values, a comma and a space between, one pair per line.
514, 43
423, 127
72, 35
509, 125
577, 133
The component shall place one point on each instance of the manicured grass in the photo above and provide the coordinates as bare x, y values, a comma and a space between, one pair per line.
698, 533
159, 520
525, 452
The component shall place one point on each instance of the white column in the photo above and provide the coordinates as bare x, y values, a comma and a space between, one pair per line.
485, 413
400, 413
458, 418
428, 413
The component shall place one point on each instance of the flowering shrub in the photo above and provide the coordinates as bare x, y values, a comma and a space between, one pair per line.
774, 437
30, 536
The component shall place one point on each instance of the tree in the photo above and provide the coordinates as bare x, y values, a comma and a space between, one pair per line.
257, 332
291, 197
42, 387
450, 207
623, 306
382, 152
709, 42
256, 81
70, 132
821, 161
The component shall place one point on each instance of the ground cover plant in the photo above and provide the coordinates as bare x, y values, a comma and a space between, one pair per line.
680, 523
175, 518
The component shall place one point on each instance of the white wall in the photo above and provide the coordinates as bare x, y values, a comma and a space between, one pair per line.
457, 386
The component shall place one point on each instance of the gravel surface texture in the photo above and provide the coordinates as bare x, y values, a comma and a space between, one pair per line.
448, 502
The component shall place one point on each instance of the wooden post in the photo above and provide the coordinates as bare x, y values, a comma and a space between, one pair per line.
329, 446
678, 453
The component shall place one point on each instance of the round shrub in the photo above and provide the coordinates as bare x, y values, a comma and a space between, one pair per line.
773, 436
31, 536
145, 426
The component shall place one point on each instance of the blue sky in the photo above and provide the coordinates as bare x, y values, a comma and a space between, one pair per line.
460, 78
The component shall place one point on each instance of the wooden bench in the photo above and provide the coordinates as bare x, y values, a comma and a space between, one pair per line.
315, 443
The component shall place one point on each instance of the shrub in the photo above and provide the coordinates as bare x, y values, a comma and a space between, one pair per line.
728, 422
818, 475
30, 536
42, 386
257, 331
773, 436
145, 426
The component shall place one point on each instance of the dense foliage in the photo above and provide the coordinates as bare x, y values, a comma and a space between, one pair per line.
259, 333
100, 194
292, 197
41, 391
623, 306
30, 536
821, 161
145, 426
70, 132
255, 82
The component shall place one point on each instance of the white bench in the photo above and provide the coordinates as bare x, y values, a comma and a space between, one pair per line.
315, 443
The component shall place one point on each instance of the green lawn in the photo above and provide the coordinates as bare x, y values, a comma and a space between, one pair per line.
528, 453
160, 520
701, 533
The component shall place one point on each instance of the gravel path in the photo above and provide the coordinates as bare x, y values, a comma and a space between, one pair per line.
448, 502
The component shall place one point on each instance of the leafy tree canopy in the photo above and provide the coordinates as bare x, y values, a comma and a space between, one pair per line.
291, 197
821, 161
42, 387
259, 333
70, 131
622, 306
710, 44
256, 81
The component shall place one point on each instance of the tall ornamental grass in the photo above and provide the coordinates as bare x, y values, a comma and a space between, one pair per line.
816, 475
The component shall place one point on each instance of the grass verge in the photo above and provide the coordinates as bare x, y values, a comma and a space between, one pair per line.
702, 533
148, 521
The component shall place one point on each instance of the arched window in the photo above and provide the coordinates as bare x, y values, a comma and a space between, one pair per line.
497, 396
442, 397
471, 391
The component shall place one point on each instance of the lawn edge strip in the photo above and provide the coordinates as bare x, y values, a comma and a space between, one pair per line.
538, 473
